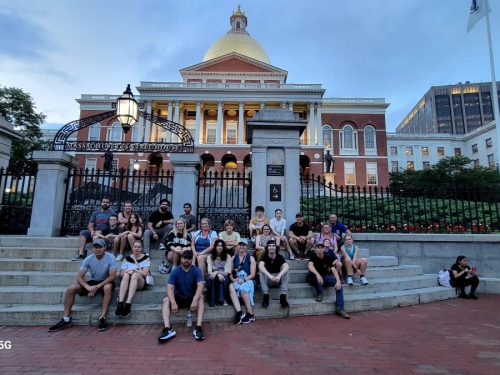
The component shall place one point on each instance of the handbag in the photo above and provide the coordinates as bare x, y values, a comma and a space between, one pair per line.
149, 278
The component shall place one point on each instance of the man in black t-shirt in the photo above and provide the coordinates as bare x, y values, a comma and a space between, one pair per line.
322, 273
160, 223
273, 273
301, 237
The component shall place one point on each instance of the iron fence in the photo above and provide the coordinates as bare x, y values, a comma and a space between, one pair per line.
223, 196
379, 209
16, 200
86, 188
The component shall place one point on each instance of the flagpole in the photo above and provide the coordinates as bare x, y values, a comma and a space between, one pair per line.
494, 92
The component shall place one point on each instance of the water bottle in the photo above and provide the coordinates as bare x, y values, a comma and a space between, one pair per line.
189, 319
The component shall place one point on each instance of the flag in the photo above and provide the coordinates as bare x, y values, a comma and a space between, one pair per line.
478, 10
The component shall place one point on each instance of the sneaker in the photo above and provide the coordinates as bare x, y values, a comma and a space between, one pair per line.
343, 314
238, 317
126, 310
119, 309
80, 257
162, 246
248, 318
225, 304
292, 257
103, 324
363, 280
319, 297
463, 295
349, 280
265, 300
283, 301
62, 324
166, 335
473, 296
198, 333
119, 257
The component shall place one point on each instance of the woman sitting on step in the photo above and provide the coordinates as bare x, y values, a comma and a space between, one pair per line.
261, 242
133, 232
462, 276
133, 273
219, 265
352, 263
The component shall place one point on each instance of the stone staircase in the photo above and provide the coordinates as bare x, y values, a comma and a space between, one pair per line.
34, 274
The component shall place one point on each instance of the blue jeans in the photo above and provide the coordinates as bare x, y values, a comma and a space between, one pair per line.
217, 290
328, 280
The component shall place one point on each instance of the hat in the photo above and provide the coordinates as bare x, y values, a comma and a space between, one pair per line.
243, 243
299, 214
99, 242
187, 254
320, 244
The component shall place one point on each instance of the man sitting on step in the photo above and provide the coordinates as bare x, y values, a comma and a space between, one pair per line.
273, 273
322, 273
102, 268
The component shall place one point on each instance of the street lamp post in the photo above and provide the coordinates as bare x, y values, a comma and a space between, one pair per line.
126, 109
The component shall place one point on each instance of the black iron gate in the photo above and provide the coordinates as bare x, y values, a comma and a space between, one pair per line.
86, 188
223, 196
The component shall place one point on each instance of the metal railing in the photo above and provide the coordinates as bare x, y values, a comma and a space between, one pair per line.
86, 188
16, 200
379, 209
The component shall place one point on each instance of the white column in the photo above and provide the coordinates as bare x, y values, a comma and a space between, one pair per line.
202, 124
176, 119
169, 112
241, 120
310, 124
147, 125
290, 107
196, 134
220, 115
319, 128
170, 116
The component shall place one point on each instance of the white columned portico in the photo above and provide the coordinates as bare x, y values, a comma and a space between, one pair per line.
220, 116
311, 124
319, 127
147, 125
241, 119
196, 134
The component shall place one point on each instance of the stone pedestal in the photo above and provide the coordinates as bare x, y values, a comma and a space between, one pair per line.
48, 202
275, 138
330, 177
185, 187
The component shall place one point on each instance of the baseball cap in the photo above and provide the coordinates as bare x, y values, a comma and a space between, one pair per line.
244, 243
99, 242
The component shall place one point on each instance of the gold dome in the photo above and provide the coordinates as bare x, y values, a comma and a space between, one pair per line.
237, 40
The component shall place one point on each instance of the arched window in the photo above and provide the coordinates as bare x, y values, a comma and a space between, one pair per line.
238, 24
94, 132
348, 140
328, 137
370, 140
115, 133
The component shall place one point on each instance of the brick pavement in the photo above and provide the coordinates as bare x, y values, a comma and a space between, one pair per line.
450, 337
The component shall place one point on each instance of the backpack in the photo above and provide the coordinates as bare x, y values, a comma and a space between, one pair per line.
444, 278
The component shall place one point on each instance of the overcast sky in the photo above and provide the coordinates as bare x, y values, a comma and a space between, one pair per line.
394, 49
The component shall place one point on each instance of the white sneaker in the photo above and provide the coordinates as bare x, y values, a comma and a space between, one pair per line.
162, 246
349, 280
119, 257
363, 280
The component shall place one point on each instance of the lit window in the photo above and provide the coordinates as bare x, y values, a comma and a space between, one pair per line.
489, 143
409, 150
211, 132
394, 150
410, 166
394, 166
426, 165
370, 138
231, 133
474, 148
350, 173
328, 137
425, 151
440, 151
371, 174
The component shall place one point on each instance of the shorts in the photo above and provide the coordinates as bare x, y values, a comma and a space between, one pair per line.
95, 282
183, 303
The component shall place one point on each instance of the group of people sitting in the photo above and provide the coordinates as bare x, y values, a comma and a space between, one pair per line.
204, 264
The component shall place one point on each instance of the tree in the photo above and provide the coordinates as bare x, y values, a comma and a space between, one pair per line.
18, 107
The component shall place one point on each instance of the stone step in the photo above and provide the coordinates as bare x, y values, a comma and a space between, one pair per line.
87, 314
35, 242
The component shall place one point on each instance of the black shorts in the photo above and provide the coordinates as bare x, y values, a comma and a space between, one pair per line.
183, 303
95, 282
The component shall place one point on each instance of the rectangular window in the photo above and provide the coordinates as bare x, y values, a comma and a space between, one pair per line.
231, 133
136, 130
94, 133
476, 163
211, 133
350, 173
491, 161
425, 151
440, 151
371, 174
489, 143
114, 165
409, 150
410, 166
426, 165
394, 166
458, 151
474, 148
90, 164
394, 150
